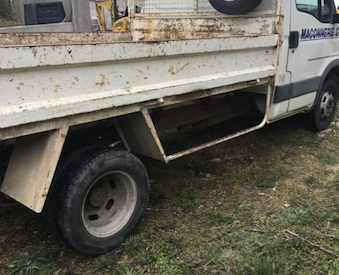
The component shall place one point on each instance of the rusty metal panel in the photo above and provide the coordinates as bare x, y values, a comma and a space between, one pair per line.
42, 83
54, 39
149, 28
82, 118
78, 77
91, 54
184, 19
32, 166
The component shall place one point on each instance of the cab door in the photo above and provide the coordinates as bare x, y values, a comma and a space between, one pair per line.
336, 41
311, 45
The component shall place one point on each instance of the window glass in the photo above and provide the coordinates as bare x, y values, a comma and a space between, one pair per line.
320, 9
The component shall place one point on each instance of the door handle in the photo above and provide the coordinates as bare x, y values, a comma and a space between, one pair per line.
294, 40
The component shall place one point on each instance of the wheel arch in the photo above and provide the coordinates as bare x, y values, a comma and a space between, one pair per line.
330, 72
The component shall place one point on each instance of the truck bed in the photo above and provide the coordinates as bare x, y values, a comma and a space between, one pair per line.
85, 77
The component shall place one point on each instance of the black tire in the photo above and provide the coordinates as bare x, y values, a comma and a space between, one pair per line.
235, 7
321, 117
49, 212
102, 201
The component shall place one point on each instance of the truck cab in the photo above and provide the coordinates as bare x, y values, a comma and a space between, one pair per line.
308, 58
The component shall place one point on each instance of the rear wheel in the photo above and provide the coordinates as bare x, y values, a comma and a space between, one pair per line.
102, 201
48, 215
322, 115
235, 7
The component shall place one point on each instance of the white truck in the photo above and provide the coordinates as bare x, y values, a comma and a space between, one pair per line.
69, 96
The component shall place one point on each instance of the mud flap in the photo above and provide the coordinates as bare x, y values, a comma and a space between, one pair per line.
31, 168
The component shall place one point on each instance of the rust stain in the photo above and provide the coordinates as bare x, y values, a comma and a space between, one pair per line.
192, 28
56, 88
171, 70
60, 38
150, 29
102, 82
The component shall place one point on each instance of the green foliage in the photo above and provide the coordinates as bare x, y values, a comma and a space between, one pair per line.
333, 267
7, 23
264, 266
30, 264
131, 271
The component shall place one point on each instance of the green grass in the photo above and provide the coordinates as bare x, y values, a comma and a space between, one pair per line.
30, 264
225, 210
7, 23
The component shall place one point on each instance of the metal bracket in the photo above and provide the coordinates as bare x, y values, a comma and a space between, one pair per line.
140, 136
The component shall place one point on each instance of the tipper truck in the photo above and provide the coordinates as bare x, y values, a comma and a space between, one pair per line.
84, 95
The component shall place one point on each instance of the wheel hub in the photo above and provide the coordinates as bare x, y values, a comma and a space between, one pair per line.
327, 105
97, 197
109, 204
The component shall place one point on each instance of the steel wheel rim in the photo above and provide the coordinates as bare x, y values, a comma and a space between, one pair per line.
109, 204
327, 105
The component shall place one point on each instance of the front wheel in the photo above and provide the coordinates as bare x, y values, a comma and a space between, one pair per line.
235, 7
102, 201
322, 115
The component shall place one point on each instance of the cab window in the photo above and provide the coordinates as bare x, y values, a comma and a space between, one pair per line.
320, 9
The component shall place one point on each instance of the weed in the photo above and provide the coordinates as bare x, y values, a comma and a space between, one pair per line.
131, 271
264, 266
302, 202
30, 264
295, 216
197, 167
133, 243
